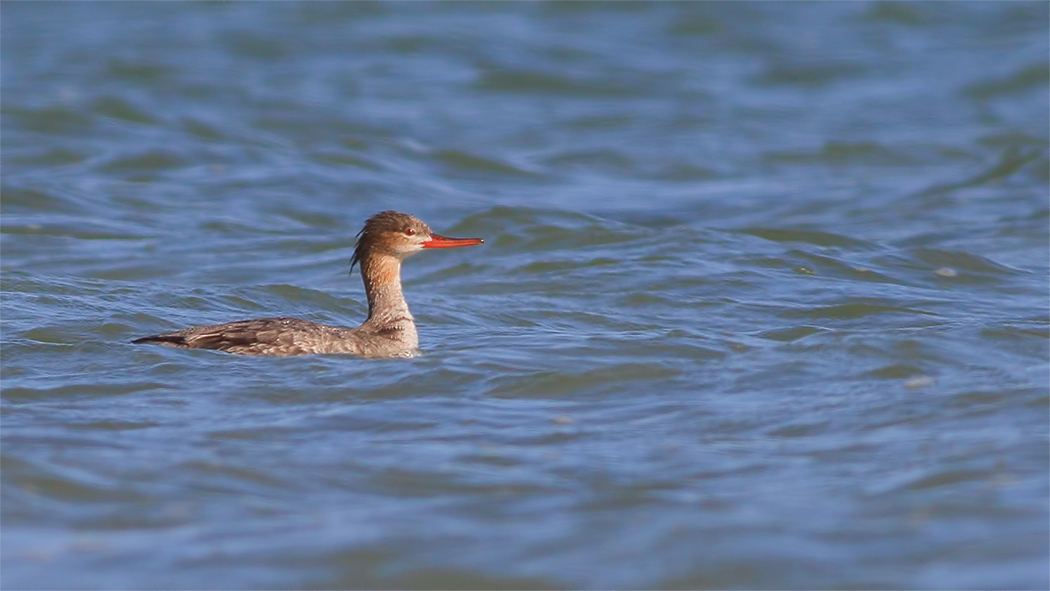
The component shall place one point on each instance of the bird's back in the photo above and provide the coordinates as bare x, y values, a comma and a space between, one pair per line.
262, 336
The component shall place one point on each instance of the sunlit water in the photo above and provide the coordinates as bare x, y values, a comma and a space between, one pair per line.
763, 299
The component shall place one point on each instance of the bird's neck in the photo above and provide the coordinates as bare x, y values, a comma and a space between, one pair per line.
386, 303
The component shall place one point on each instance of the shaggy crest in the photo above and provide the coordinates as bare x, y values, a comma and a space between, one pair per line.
384, 221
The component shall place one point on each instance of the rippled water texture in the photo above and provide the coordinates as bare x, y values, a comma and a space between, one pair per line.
763, 300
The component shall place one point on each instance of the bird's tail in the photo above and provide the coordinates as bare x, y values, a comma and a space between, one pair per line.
163, 339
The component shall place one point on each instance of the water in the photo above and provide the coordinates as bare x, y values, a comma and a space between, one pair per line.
763, 300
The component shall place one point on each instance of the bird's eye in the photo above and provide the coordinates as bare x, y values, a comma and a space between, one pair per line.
410, 232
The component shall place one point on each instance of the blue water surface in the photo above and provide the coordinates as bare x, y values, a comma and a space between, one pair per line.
763, 301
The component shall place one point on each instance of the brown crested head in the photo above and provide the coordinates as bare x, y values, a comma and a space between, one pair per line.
400, 235
385, 232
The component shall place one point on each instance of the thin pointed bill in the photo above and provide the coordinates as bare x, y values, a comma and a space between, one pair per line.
437, 241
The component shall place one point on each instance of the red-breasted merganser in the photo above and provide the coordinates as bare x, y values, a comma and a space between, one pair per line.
389, 331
